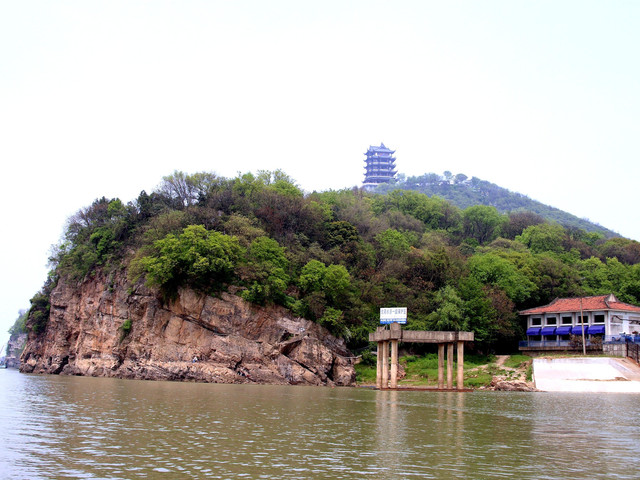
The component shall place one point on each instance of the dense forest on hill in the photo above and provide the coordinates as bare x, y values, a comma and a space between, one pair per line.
336, 257
464, 192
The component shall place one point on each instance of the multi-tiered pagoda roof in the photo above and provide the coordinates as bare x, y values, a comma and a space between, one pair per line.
380, 166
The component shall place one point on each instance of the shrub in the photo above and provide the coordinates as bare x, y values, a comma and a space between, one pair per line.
125, 329
369, 359
264, 273
39, 312
197, 258
333, 320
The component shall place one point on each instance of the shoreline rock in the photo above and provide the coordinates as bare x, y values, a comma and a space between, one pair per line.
500, 385
101, 328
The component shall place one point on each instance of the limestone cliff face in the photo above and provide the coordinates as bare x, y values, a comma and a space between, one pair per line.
196, 337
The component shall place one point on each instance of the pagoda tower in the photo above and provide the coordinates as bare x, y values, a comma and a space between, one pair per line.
380, 166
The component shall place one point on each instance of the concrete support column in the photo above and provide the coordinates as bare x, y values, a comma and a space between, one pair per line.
379, 366
394, 364
441, 366
450, 366
385, 365
460, 379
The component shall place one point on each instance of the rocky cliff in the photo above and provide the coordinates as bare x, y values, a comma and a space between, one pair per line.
15, 345
104, 328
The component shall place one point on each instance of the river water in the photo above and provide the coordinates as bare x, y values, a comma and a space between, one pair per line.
54, 427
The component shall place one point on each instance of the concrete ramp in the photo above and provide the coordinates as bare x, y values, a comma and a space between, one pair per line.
586, 375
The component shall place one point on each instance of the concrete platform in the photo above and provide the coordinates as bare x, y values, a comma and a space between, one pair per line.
615, 375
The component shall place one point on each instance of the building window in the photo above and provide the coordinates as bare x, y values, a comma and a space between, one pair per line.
567, 320
585, 320
552, 320
598, 319
536, 321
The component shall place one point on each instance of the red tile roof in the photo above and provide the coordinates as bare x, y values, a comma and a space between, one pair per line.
600, 302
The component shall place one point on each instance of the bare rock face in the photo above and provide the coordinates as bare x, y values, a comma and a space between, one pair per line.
14, 348
101, 328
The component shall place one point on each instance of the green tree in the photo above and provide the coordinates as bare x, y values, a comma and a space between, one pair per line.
449, 311
624, 249
341, 233
599, 278
337, 284
544, 237
491, 315
279, 182
198, 258
392, 244
493, 269
312, 276
265, 272
243, 228
178, 186
518, 221
333, 320
94, 235
482, 223
20, 325
188, 189
553, 279
630, 288
39, 311
246, 186
460, 178
434, 212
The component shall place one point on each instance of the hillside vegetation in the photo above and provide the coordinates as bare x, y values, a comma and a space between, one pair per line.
336, 257
464, 192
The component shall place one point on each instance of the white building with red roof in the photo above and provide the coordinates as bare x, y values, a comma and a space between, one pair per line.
603, 317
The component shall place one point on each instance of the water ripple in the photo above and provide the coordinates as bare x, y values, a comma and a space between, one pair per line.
95, 428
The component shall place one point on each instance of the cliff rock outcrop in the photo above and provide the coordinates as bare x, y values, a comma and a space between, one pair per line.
15, 345
102, 328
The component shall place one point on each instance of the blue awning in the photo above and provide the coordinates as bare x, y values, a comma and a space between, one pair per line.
533, 331
563, 330
596, 329
548, 331
577, 329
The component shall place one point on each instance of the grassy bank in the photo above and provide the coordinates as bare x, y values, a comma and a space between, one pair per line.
422, 371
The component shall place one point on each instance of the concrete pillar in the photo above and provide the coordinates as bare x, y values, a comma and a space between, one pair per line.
450, 365
394, 364
460, 379
379, 366
385, 365
441, 366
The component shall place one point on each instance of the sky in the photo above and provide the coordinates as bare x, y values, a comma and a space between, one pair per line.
104, 98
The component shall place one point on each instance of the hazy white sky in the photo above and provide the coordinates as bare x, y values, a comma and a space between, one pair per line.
104, 98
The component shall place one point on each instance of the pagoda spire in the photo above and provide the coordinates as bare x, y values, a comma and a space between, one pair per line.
379, 167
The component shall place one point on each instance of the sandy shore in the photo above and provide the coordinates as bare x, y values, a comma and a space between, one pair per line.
615, 375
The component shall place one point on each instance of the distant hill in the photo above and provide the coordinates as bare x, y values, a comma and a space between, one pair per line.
464, 192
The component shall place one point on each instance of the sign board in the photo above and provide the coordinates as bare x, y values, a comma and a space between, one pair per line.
393, 315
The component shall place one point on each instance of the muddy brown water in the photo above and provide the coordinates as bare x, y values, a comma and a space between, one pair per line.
55, 427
